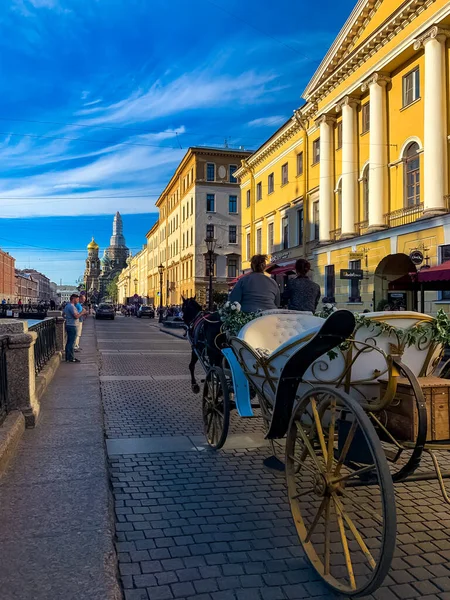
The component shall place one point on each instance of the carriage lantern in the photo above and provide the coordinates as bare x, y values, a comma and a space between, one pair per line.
210, 246
160, 271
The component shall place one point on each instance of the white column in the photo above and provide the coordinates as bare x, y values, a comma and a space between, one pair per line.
378, 155
326, 178
435, 133
349, 166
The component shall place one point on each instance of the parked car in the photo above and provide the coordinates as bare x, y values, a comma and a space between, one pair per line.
105, 311
146, 311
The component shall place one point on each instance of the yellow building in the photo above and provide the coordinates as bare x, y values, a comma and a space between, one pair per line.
367, 174
201, 200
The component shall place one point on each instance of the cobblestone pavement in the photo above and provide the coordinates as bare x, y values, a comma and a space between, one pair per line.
204, 525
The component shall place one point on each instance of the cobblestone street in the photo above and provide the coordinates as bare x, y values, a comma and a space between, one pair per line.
194, 523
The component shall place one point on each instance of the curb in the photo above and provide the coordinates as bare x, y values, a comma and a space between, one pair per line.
10, 435
173, 334
47, 374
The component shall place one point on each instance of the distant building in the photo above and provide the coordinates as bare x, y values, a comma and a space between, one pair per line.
54, 292
26, 287
97, 276
44, 291
65, 291
7, 276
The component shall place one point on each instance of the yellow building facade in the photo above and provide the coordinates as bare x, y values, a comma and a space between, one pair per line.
358, 179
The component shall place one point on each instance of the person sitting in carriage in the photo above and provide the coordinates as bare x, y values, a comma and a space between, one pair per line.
302, 293
256, 291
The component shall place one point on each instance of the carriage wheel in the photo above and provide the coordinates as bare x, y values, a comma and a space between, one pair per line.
340, 491
216, 408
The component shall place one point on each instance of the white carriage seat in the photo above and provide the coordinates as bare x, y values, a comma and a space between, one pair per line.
271, 331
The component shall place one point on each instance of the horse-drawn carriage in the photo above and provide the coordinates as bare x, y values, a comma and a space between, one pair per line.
359, 405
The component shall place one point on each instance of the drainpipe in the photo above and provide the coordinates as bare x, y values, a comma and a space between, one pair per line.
306, 224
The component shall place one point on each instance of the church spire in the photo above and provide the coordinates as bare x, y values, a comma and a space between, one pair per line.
117, 239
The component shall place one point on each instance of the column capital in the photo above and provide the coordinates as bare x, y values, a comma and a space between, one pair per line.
327, 119
433, 33
347, 101
376, 78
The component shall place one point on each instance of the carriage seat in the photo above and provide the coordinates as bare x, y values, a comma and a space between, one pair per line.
271, 331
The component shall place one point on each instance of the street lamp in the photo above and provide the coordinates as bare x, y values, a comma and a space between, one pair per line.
210, 246
160, 271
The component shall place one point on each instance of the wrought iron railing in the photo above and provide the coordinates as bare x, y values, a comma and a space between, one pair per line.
335, 234
3, 378
45, 346
362, 227
404, 216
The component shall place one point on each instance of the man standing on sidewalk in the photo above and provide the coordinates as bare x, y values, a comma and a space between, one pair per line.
79, 322
71, 315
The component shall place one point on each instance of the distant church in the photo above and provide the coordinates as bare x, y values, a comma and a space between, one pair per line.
98, 275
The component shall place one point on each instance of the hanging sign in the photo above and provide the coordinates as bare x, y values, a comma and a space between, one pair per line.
416, 257
356, 255
352, 274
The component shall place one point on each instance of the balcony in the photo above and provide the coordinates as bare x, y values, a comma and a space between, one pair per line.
404, 216
362, 227
335, 234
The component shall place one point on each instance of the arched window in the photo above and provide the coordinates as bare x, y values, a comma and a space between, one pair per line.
365, 182
411, 175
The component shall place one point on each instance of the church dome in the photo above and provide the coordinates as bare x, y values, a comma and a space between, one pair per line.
93, 245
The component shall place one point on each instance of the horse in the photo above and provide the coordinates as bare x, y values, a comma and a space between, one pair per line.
203, 327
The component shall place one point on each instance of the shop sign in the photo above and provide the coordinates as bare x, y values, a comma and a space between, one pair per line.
281, 256
356, 255
416, 257
352, 274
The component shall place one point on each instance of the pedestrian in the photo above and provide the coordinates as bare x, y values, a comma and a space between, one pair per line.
20, 304
302, 293
71, 315
79, 323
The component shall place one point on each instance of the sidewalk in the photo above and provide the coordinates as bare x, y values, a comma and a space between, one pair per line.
56, 530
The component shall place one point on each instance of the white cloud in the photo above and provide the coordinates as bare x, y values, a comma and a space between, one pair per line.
196, 90
267, 121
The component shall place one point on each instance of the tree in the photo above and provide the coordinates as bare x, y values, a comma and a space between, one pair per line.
112, 289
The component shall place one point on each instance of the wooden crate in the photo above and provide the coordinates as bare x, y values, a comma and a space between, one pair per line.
401, 417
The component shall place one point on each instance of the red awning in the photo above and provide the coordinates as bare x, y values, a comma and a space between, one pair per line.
404, 283
435, 274
285, 269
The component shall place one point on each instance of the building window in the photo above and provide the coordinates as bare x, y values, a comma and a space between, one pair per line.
192, 206
270, 238
210, 202
329, 283
315, 220
232, 204
365, 116
210, 172
209, 230
192, 235
232, 234
248, 246
259, 241
184, 239
444, 252
354, 293
300, 163
411, 87
248, 198
232, 267
270, 184
184, 214
365, 182
300, 226
412, 175
233, 169
339, 135
316, 151
285, 232
284, 174
258, 191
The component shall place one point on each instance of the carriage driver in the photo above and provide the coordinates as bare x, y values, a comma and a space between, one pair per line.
256, 291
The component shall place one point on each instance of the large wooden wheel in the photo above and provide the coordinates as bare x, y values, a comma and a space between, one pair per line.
216, 407
340, 491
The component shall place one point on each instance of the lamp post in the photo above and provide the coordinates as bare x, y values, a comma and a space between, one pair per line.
160, 271
211, 246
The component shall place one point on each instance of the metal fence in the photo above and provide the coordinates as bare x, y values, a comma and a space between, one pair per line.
45, 346
3, 378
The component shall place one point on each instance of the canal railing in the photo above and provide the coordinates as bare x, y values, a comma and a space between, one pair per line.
45, 345
4, 407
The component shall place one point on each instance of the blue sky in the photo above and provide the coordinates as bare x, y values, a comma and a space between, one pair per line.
101, 98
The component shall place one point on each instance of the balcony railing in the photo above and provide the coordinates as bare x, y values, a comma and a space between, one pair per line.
335, 234
362, 227
45, 346
404, 216
3, 379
